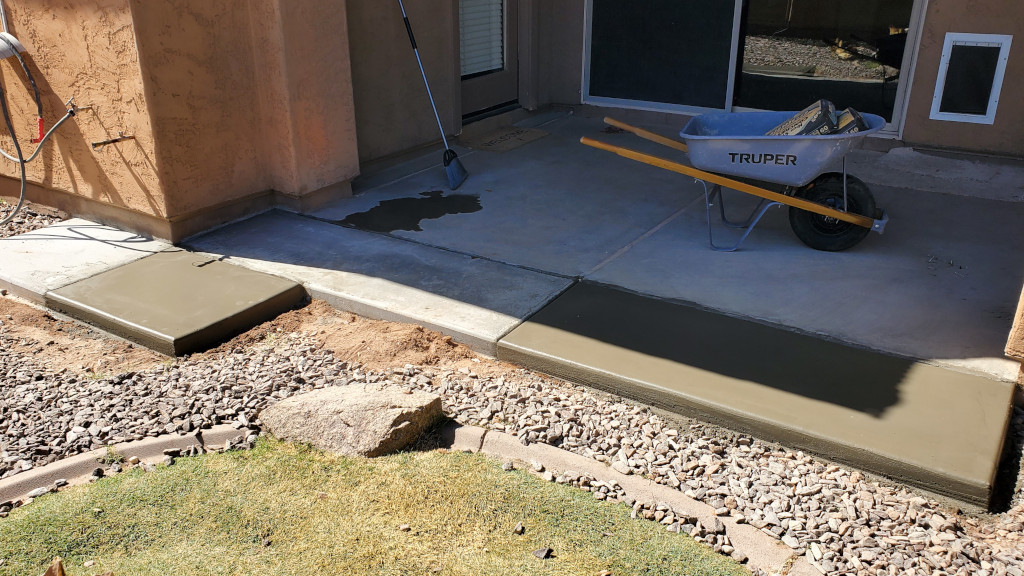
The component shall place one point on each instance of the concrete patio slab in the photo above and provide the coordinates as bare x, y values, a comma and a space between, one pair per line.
939, 429
552, 205
475, 300
177, 302
53, 257
940, 285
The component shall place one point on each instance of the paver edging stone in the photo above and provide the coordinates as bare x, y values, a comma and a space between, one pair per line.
77, 469
762, 551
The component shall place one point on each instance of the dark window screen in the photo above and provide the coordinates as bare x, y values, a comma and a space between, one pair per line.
670, 51
969, 77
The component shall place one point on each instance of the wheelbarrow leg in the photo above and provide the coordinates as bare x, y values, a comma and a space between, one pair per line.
748, 227
717, 192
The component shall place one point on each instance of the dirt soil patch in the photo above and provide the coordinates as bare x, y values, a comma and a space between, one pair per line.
68, 345
374, 344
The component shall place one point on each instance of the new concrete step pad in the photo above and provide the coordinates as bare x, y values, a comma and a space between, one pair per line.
932, 427
176, 301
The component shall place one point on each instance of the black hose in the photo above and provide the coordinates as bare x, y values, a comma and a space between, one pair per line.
17, 148
31, 80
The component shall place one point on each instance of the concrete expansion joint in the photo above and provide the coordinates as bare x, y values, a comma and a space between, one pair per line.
759, 549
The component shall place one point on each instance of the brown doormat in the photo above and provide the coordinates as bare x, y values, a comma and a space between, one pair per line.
503, 139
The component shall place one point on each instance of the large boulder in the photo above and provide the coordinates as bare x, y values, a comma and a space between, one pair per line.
364, 420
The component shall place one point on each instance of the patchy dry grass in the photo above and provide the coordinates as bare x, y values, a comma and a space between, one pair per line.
282, 509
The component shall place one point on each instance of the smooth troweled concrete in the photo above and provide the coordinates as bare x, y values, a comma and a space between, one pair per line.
53, 257
475, 300
933, 427
177, 302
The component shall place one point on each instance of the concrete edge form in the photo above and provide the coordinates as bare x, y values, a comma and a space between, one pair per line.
77, 469
931, 480
762, 551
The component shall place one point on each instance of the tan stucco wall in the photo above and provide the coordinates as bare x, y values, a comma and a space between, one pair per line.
235, 105
246, 97
85, 49
560, 51
392, 110
1006, 136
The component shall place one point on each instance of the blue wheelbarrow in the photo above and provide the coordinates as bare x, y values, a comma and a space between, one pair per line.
829, 211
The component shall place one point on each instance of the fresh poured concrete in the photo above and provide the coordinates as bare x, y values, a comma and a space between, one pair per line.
933, 427
176, 301
53, 257
475, 300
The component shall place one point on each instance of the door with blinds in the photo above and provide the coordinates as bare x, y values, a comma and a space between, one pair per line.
489, 54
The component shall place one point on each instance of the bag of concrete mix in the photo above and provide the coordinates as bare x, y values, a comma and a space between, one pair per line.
850, 121
815, 120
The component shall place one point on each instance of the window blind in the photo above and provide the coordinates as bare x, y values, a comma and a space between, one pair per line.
481, 36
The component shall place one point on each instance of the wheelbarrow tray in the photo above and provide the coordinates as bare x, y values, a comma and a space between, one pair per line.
736, 144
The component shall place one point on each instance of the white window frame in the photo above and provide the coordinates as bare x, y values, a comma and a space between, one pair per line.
604, 101
958, 38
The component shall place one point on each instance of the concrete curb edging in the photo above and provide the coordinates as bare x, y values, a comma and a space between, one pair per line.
762, 551
77, 469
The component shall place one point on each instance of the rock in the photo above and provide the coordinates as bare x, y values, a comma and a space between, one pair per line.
620, 467
60, 483
39, 492
544, 553
519, 529
364, 420
738, 556
712, 525
508, 466
404, 528
791, 541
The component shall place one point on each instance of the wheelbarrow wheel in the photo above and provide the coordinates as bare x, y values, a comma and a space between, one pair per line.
828, 234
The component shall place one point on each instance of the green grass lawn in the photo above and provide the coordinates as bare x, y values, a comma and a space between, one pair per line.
282, 509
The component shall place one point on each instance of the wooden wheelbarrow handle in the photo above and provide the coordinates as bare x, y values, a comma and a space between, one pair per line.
646, 135
732, 184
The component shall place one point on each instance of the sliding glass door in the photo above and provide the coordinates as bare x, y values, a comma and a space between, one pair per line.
798, 51
693, 56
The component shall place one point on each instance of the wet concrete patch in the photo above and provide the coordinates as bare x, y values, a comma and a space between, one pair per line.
176, 302
936, 428
407, 213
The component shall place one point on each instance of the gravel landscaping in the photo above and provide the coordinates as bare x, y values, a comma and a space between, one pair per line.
30, 217
775, 51
843, 521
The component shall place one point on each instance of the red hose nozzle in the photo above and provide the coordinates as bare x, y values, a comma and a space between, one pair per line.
42, 131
